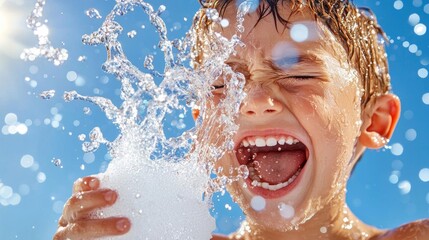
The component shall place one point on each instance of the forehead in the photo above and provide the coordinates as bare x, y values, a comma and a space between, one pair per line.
303, 34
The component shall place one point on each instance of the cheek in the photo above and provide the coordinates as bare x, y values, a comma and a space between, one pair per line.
330, 116
227, 163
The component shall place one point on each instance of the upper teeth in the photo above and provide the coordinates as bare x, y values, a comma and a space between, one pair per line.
268, 141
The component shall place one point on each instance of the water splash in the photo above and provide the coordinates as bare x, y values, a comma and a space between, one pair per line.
44, 47
48, 94
172, 172
93, 13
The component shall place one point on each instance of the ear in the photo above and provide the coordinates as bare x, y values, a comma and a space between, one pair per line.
380, 121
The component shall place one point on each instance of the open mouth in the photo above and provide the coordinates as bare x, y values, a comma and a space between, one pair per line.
274, 162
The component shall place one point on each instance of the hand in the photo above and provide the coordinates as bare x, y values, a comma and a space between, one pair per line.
77, 223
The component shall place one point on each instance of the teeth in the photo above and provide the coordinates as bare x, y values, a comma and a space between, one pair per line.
260, 142
289, 140
256, 181
265, 185
269, 141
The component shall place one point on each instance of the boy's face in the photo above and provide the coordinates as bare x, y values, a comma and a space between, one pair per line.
303, 101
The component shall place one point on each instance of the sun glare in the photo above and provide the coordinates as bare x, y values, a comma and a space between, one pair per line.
12, 24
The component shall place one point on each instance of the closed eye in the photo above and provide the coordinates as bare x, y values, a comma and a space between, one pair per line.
218, 86
303, 77
293, 81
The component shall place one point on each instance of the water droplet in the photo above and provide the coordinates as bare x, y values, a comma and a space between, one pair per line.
41, 177
57, 162
93, 13
299, 32
90, 146
398, 4
71, 76
10, 119
258, 203
161, 9
81, 137
413, 19
413, 48
212, 14
424, 174
27, 161
81, 58
70, 96
132, 34
420, 29
397, 149
47, 94
404, 187
148, 62
89, 157
422, 73
286, 211
410, 134
6, 192
224, 23
426, 8
417, 3
87, 110
243, 171
425, 98
394, 177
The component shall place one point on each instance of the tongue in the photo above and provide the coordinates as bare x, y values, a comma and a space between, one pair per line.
277, 167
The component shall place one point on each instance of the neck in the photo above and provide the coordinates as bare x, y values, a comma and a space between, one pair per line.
334, 221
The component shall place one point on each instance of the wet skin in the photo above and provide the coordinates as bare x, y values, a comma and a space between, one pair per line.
314, 101
76, 221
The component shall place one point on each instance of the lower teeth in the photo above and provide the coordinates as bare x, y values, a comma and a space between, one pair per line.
267, 186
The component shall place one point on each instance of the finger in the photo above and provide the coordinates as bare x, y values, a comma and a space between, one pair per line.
94, 228
81, 204
86, 184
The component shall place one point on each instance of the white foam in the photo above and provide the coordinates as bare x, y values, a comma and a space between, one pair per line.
163, 200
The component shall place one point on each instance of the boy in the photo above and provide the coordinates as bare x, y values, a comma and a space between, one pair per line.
317, 87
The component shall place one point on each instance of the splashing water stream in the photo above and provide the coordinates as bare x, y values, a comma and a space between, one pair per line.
139, 151
160, 181
44, 47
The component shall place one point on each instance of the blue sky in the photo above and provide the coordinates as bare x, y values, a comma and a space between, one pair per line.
388, 188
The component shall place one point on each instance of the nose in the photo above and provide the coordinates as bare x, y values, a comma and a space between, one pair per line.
258, 103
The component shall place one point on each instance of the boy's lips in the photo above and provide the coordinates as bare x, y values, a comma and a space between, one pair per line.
274, 162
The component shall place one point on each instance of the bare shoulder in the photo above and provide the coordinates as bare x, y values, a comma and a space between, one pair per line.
418, 230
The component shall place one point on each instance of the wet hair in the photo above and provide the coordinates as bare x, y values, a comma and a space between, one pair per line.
355, 28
